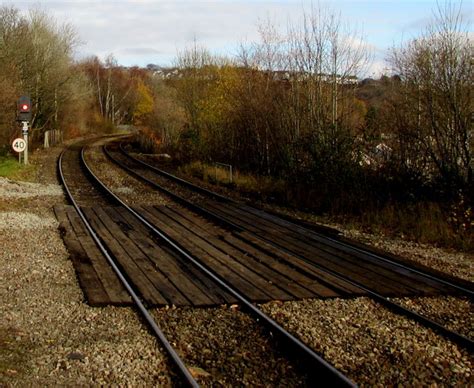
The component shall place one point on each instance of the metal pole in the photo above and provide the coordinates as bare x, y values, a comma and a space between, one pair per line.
25, 136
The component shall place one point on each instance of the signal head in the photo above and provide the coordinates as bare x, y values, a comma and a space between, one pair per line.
24, 109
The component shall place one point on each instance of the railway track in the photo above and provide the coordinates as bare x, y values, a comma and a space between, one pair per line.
286, 238
302, 230
85, 190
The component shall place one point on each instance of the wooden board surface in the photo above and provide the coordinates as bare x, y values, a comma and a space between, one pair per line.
247, 260
160, 277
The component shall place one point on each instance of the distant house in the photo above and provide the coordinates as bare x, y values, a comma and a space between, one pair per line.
167, 73
276, 75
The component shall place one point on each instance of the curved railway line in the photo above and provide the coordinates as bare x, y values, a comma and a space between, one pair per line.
210, 250
73, 157
91, 200
286, 239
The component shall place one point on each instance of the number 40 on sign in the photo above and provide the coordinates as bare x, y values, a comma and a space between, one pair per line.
19, 144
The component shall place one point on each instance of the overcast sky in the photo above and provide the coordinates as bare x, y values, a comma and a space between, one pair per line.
152, 31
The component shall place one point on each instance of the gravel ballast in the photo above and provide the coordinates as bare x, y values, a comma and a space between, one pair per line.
372, 345
128, 188
226, 347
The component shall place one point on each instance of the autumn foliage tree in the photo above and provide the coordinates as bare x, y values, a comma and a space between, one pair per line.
36, 59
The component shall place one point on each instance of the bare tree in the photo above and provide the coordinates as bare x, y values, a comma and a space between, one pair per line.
326, 53
436, 93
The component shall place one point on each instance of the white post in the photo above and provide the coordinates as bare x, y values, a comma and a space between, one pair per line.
46, 139
25, 136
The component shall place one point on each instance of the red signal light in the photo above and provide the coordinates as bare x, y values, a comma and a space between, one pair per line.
24, 108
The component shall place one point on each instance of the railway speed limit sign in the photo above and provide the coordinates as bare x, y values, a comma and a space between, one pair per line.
19, 144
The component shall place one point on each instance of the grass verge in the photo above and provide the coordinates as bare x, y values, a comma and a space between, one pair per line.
10, 168
259, 187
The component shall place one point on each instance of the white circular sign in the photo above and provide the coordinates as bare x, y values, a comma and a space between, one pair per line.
19, 144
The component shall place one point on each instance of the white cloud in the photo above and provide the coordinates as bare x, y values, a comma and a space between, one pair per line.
160, 28
152, 31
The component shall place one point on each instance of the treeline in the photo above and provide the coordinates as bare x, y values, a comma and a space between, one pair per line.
74, 97
289, 107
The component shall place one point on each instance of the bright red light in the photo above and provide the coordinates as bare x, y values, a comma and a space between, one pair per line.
24, 107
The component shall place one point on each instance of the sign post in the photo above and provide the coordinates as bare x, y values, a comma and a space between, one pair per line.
25, 137
20, 145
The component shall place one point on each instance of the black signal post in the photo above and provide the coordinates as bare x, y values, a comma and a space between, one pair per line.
24, 115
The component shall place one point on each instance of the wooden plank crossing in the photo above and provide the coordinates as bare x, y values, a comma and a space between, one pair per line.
248, 260
270, 259
161, 277
258, 270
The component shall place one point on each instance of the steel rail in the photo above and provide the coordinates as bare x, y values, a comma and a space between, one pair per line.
317, 367
181, 367
454, 336
174, 196
348, 248
178, 179
320, 237
457, 287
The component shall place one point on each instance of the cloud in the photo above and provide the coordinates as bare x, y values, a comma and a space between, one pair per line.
139, 51
140, 32
378, 68
152, 31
